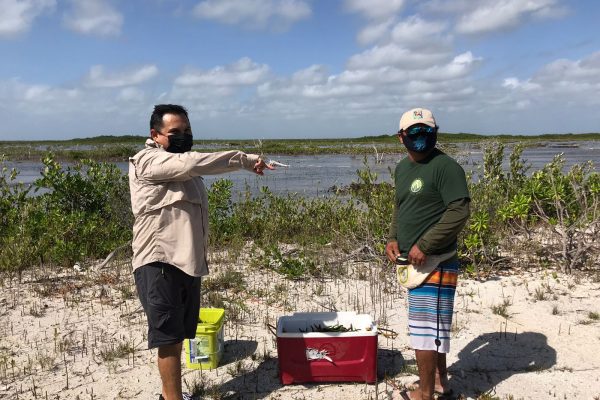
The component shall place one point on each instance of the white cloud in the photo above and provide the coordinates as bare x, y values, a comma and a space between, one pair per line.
410, 33
38, 99
381, 16
515, 83
412, 43
47, 94
523, 104
278, 88
17, 16
459, 67
71, 111
99, 78
445, 6
511, 83
367, 91
131, 94
493, 15
221, 91
558, 89
312, 75
254, 13
93, 17
375, 9
375, 31
296, 92
565, 77
333, 89
441, 95
409, 66
395, 55
241, 73
567, 71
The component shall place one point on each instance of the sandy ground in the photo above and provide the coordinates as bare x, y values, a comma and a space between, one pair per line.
81, 335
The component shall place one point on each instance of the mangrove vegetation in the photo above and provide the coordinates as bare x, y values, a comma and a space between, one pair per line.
77, 213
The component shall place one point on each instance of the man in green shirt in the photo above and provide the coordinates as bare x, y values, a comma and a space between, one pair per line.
431, 208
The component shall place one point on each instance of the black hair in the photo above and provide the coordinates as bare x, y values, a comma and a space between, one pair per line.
156, 119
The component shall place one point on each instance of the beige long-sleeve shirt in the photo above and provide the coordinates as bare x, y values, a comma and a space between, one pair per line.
170, 204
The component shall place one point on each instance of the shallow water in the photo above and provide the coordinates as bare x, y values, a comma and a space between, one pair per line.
315, 175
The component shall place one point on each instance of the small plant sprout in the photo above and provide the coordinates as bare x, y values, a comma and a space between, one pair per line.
540, 294
502, 309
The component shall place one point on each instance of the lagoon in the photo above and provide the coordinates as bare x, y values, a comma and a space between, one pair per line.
315, 175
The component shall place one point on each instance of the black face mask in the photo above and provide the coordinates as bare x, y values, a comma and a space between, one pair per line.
180, 143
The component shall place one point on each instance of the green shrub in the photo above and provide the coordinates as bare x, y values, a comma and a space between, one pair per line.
297, 266
80, 212
562, 207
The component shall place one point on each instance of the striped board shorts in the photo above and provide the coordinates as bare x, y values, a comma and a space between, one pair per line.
430, 308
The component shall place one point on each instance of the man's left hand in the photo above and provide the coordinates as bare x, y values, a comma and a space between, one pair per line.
260, 166
416, 256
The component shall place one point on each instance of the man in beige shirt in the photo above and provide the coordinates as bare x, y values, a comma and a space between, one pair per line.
170, 206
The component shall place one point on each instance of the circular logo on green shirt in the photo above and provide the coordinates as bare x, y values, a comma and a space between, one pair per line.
416, 185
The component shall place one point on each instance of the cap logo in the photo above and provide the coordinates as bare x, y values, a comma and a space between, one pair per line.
418, 114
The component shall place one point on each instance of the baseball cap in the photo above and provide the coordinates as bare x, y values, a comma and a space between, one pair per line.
417, 116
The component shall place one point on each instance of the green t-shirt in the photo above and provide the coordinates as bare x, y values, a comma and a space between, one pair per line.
423, 191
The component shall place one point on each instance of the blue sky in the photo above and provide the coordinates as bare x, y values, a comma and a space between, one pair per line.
263, 69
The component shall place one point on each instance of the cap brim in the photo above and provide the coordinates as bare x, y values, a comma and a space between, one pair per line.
428, 123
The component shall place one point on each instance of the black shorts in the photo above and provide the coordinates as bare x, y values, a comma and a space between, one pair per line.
171, 300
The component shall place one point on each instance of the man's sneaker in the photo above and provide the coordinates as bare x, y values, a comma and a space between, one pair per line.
186, 396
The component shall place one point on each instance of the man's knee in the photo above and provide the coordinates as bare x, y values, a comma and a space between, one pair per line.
169, 350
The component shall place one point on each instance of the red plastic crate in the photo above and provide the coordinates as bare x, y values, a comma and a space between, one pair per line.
306, 356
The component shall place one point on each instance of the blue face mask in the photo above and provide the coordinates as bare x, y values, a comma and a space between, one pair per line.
420, 139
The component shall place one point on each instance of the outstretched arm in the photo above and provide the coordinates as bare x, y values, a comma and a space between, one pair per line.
163, 166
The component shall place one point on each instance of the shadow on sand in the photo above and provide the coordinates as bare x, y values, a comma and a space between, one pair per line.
264, 380
485, 362
236, 350
389, 363
493, 357
256, 384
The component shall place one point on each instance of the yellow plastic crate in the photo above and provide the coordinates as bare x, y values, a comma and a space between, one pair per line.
205, 350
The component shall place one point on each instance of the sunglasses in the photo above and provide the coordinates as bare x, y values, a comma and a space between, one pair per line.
419, 130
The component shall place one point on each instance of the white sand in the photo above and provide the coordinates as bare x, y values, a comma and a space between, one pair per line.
56, 332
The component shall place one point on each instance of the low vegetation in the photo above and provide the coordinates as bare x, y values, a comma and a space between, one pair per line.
119, 148
79, 212
544, 218
69, 215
